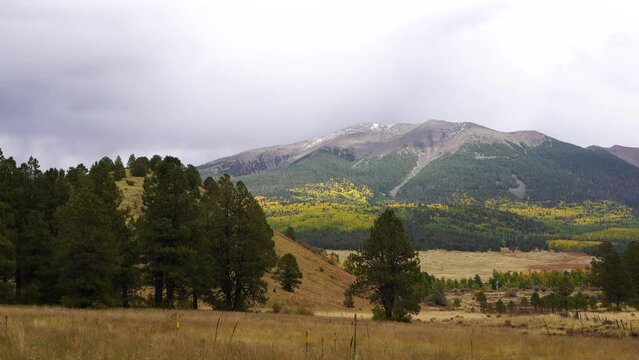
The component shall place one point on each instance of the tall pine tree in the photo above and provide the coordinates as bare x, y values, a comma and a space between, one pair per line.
166, 231
387, 269
631, 260
242, 245
92, 230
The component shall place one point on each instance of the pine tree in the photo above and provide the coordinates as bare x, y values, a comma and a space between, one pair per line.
7, 248
611, 274
119, 172
288, 273
131, 161
154, 162
242, 245
140, 167
290, 233
563, 287
482, 300
631, 260
166, 231
535, 301
92, 229
387, 268
7, 270
87, 247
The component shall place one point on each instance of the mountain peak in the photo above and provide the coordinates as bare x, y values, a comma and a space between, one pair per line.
628, 154
427, 140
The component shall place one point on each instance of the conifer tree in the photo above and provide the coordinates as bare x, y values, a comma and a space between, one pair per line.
119, 172
387, 268
87, 247
166, 232
242, 245
154, 162
611, 274
631, 260
131, 161
288, 273
290, 233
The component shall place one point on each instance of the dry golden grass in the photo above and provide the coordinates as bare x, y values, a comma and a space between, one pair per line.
464, 264
132, 189
323, 284
54, 333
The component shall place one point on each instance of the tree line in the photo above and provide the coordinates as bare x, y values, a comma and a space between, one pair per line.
65, 238
387, 271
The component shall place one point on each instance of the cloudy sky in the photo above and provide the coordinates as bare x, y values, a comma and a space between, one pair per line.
204, 79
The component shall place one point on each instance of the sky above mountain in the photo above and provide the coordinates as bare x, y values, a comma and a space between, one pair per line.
205, 79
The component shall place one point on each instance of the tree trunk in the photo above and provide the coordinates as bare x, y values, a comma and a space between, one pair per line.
125, 295
194, 304
159, 288
18, 282
170, 292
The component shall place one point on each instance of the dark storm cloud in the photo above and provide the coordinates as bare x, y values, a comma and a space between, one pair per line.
204, 79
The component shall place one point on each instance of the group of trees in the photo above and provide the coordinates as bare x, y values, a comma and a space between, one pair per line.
65, 239
388, 273
617, 274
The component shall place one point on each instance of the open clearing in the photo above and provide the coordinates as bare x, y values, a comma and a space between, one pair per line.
55, 333
464, 264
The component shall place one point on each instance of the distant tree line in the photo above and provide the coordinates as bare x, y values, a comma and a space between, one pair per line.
65, 238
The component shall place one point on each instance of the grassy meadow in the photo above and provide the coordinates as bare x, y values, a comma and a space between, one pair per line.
55, 333
466, 264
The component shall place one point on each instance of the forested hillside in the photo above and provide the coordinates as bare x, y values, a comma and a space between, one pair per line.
150, 235
434, 161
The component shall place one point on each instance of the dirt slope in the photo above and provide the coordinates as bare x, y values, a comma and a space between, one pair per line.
320, 290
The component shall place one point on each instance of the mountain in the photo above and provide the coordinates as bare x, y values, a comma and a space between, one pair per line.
628, 154
436, 161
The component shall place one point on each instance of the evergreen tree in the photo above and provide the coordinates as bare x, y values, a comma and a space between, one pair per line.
535, 301
107, 162
290, 233
92, 230
166, 232
35, 198
288, 273
7, 248
131, 161
119, 172
242, 245
75, 175
7, 270
140, 167
563, 287
631, 260
87, 247
611, 274
482, 300
478, 281
387, 268
154, 162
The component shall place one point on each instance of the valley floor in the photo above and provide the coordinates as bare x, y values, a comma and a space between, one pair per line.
55, 333
465, 264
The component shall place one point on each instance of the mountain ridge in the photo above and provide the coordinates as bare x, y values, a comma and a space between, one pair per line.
368, 140
626, 153
435, 160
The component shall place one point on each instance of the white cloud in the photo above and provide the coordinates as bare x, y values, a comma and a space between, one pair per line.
203, 79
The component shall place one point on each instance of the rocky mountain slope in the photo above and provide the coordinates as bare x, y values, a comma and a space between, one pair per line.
436, 161
628, 154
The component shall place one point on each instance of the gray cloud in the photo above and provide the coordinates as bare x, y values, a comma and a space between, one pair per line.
204, 79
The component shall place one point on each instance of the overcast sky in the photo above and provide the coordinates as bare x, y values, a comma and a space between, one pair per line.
205, 79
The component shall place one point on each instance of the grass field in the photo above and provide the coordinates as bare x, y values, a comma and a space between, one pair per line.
463, 264
54, 333
323, 284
